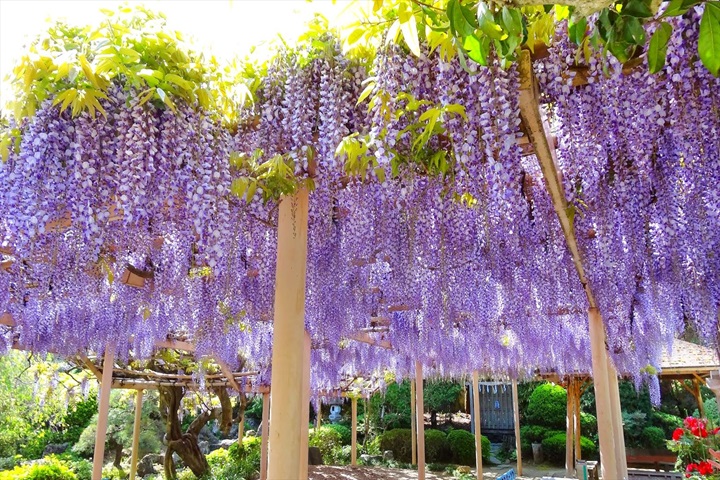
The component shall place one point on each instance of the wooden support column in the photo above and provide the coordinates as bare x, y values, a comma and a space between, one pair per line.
264, 437
533, 122
578, 433
420, 414
305, 413
618, 434
318, 412
477, 423
698, 397
606, 431
103, 408
413, 422
286, 409
353, 451
136, 434
569, 430
516, 413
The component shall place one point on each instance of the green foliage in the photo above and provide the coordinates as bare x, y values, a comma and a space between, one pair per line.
441, 396
711, 411
395, 404
533, 433
48, 469
667, 422
633, 425
653, 437
554, 448
547, 406
399, 440
588, 424
120, 425
328, 440
345, 432
75, 66
462, 447
436, 446
245, 460
254, 408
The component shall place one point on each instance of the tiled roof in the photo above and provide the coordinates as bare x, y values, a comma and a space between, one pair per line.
688, 356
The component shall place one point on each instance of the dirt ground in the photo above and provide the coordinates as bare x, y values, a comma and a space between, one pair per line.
381, 473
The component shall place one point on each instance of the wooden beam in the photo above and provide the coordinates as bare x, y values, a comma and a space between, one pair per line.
420, 420
413, 422
136, 434
264, 436
516, 414
91, 366
103, 408
353, 447
477, 423
365, 337
176, 345
288, 330
7, 320
227, 371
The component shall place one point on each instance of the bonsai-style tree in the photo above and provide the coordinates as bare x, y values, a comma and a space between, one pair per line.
440, 397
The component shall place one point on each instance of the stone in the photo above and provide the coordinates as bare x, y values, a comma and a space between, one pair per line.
204, 446
314, 456
55, 448
227, 443
206, 434
463, 469
370, 459
388, 455
146, 465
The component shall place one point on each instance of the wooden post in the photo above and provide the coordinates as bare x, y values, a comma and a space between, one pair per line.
241, 421
618, 434
606, 432
420, 414
286, 409
366, 404
318, 413
698, 397
353, 451
569, 430
103, 408
516, 413
578, 432
264, 437
477, 423
305, 412
136, 434
413, 422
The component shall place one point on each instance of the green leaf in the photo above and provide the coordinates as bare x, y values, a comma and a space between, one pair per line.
637, 8
658, 47
478, 48
487, 24
366, 92
355, 35
577, 31
462, 21
512, 19
679, 7
634, 31
709, 41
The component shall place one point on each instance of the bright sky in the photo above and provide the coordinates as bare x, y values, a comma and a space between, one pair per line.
224, 28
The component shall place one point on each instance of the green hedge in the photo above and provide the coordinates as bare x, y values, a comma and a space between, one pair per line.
345, 432
554, 448
547, 406
436, 446
653, 437
49, 469
328, 440
399, 440
462, 447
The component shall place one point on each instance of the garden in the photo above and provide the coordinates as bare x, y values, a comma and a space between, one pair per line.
371, 220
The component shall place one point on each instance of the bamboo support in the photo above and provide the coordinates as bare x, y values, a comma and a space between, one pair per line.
477, 423
420, 414
103, 408
136, 434
264, 437
353, 450
516, 414
413, 422
288, 350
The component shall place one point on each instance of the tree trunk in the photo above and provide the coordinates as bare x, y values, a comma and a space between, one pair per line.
433, 419
118, 456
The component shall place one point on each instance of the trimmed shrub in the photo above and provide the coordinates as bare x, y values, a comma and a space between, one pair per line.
327, 440
51, 469
399, 440
547, 406
436, 446
554, 448
462, 447
533, 433
345, 432
667, 422
653, 437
